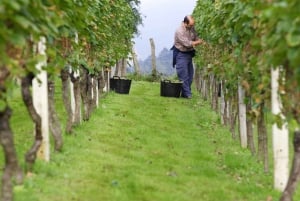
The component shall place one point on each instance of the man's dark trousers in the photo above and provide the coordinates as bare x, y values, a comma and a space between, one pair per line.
185, 72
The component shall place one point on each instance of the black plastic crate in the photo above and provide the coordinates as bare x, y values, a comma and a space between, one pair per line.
120, 85
170, 89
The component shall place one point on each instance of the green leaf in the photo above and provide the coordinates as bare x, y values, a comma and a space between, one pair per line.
2, 105
293, 40
14, 5
293, 56
17, 39
293, 37
22, 21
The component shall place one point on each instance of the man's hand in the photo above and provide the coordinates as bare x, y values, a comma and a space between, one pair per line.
198, 42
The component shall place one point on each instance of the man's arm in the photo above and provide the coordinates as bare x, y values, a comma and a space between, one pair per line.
197, 42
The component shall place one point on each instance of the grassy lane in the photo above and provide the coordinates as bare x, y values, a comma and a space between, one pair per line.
143, 147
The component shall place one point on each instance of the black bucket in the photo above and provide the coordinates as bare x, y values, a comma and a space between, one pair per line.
170, 89
113, 82
120, 85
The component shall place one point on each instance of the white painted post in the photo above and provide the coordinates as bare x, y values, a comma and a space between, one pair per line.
76, 75
108, 80
103, 75
280, 139
72, 100
73, 104
40, 101
97, 93
92, 84
242, 117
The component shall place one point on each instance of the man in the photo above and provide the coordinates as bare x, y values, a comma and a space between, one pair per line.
183, 51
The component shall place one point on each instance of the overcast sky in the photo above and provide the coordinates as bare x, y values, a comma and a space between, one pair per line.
161, 19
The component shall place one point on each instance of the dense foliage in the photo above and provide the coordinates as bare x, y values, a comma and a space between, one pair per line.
246, 39
104, 30
91, 34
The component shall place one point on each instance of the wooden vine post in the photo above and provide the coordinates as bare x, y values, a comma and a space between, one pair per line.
40, 101
153, 58
135, 62
280, 139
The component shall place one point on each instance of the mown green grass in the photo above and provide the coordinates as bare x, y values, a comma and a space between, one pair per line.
143, 147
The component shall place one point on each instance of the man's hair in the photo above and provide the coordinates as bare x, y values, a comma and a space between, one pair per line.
186, 20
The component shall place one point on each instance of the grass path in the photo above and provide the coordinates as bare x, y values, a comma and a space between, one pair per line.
143, 147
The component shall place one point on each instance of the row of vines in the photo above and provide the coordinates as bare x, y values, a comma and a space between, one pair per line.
246, 41
74, 40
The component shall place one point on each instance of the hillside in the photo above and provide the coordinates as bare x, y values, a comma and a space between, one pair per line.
163, 63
